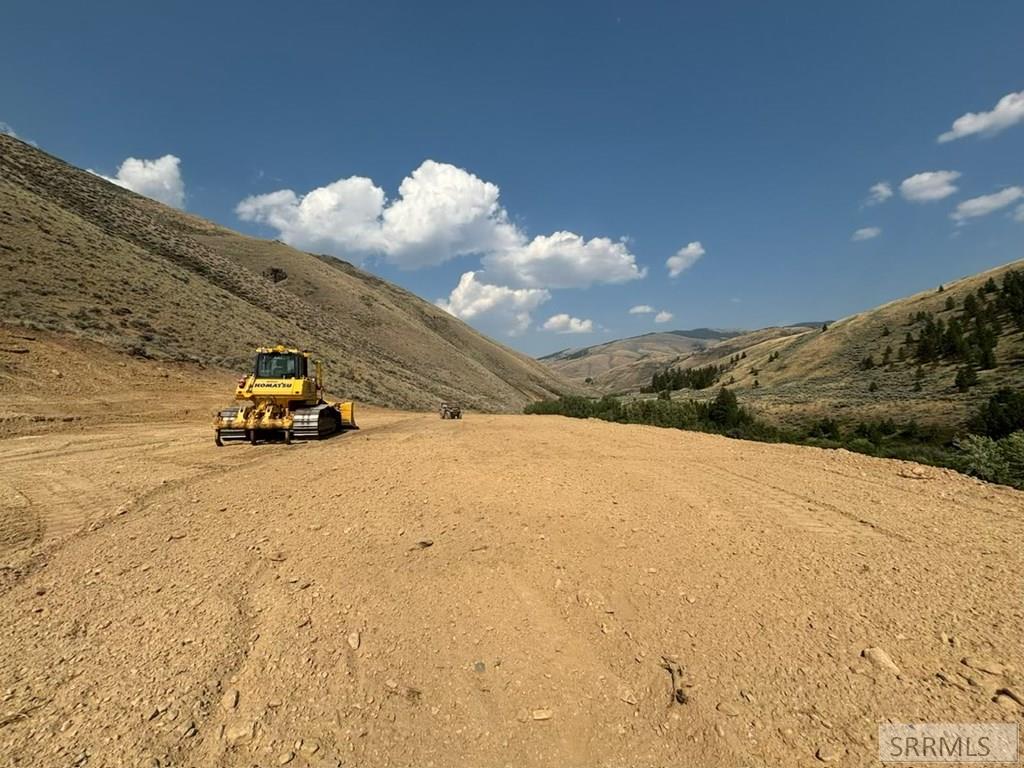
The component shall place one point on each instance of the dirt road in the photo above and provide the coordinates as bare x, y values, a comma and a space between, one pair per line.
492, 591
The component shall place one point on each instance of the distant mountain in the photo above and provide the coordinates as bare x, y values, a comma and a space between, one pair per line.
88, 259
659, 348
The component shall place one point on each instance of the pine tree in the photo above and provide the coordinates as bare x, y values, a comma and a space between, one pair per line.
725, 409
1002, 415
970, 305
987, 358
918, 378
966, 378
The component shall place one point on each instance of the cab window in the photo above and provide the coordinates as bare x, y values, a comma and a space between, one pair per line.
277, 365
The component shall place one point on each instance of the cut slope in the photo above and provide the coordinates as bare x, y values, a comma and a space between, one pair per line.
88, 258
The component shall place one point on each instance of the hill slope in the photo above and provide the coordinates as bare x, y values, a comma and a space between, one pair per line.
87, 258
862, 367
651, 351
626, 365
828, 372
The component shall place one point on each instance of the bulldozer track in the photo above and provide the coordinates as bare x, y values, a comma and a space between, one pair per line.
800, 509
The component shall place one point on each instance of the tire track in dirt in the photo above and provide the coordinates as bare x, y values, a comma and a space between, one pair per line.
800, 510
565, 558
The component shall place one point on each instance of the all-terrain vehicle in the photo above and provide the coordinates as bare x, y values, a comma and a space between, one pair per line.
450, 411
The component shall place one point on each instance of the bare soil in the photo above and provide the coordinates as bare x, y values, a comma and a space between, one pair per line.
501, 590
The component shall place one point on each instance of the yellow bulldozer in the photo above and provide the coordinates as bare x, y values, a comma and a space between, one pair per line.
282, 397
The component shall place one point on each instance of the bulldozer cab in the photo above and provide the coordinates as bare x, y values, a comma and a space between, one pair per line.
281, 365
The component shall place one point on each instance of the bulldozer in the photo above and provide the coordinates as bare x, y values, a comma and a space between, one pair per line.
282, 397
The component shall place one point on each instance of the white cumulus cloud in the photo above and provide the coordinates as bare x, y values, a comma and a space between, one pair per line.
346, 211
986, 204
1018, 215
684, 258
159, 179
564, 260
563, 323
928, 186
1007, 112
879, 193
441, 212
506, 307
641, 309
866, 233
663, 317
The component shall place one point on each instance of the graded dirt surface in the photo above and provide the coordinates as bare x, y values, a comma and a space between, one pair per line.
494, 591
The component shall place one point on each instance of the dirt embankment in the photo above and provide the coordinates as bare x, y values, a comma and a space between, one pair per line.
495, 591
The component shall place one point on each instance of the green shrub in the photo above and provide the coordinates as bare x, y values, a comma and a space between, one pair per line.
825, 428
981, 457
724, 414
1012, 449
861, 445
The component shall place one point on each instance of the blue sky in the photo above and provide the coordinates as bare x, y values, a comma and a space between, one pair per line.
635, 129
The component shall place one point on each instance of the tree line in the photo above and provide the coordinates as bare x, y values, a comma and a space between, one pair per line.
672, 379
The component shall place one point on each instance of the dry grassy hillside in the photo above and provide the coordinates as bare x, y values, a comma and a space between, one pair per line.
819, 373
634, 370
87, 258
626, 363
